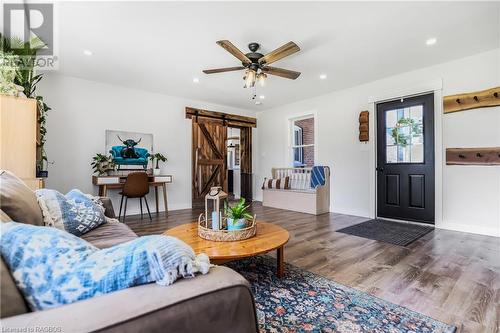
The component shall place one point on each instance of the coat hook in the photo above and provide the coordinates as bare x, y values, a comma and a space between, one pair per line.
458, 101
476, 98
479, 155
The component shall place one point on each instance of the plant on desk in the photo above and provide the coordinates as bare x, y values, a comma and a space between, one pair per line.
158, 157
237, 215
101, 164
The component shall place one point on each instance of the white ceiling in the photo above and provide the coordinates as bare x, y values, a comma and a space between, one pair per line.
161, 46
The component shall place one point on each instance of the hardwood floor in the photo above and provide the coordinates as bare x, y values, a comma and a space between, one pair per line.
450, 276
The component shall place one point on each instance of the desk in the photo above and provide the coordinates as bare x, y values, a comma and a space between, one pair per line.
106, 183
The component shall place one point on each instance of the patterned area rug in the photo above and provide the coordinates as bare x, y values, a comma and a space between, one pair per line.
305, 302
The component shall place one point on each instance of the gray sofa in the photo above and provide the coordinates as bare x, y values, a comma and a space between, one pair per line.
220, 301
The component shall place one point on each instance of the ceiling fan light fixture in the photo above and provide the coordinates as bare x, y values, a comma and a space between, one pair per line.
261, 78
250, 78
256, 65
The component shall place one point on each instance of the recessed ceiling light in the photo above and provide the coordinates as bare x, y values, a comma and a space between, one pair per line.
262, 96
431, 41
87, 52
258, 103
196, 80
322, 76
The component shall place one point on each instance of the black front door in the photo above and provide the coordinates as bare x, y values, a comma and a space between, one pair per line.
405, 159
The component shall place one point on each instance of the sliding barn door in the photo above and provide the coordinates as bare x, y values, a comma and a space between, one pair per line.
246, 163
209, 157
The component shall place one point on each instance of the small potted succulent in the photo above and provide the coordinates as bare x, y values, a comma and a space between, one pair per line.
237, 216
101, 164
158, 157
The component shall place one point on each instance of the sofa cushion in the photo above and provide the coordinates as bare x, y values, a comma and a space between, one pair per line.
4, 217
109, 234
18, 201
53, 267
108, 207
11, 300
220, 301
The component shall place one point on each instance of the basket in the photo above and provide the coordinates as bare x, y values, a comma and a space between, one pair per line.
224, 235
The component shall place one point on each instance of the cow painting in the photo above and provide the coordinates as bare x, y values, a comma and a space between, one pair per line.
129, 150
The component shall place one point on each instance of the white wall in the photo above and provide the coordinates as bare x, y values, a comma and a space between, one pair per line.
81, 112
471, 194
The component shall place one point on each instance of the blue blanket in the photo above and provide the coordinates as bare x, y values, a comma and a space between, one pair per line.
52, 267
318, 176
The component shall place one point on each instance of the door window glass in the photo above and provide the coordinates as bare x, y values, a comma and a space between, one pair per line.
404, 135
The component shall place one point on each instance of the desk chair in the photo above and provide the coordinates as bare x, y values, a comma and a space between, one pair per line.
136, 186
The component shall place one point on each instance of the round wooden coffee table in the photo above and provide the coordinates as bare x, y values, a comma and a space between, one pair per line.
268, 237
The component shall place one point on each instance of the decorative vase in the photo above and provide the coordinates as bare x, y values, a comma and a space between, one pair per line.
237, 224
156, 171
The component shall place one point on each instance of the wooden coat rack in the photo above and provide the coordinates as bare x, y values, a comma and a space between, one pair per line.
473, 156
474, 100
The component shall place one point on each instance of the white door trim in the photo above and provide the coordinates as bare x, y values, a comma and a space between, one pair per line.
437, 88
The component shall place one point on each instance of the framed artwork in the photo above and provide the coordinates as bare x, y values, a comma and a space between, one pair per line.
116, 138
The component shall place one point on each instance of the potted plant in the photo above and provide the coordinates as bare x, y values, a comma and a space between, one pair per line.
101, 164
158, 157
237, 215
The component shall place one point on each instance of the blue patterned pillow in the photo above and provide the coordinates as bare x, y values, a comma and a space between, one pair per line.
74, 212
52, 267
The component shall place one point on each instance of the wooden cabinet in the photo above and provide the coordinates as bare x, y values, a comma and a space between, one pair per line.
18, 135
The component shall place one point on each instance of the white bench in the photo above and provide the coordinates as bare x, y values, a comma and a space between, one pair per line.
300, 197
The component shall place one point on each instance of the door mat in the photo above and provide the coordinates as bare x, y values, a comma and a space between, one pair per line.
396, 233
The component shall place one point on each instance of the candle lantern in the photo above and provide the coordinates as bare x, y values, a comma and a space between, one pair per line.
214, 196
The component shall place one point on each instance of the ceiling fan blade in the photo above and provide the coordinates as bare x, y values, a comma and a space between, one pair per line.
286, 73
229, 47
281, 52
222, 70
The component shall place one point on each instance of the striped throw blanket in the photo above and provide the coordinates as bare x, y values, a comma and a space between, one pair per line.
318, 176
52, 267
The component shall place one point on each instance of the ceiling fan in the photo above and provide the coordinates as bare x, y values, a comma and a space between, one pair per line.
255, 64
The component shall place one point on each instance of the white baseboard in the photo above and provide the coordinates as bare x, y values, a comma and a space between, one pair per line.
473, 229
349, 212
136, 211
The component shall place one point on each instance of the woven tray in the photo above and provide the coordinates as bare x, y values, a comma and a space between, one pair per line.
224, 235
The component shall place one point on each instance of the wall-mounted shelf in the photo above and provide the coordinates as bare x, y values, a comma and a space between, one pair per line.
473, 156
364, 132
474, 100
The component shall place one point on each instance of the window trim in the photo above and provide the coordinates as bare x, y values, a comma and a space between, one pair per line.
291, 136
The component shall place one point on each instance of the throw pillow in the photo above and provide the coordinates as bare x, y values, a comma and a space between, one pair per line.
280, 183
74, 212
17, 200
52, 267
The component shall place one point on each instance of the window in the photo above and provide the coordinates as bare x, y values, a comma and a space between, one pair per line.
404, 135
302, 133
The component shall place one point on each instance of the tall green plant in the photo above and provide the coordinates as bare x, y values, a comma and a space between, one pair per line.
27, 78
